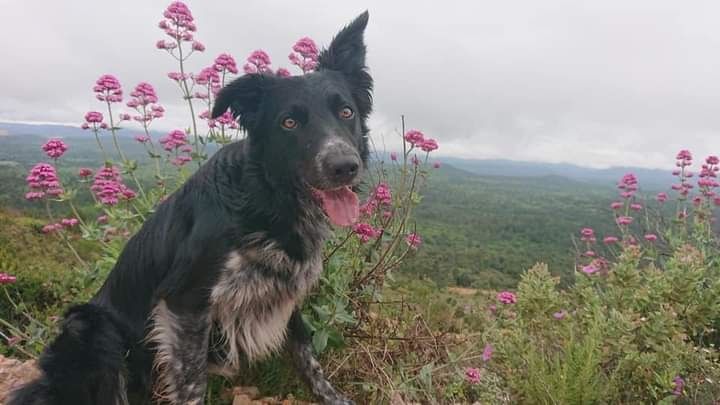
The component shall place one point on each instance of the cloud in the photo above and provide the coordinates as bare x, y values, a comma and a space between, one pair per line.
594, 83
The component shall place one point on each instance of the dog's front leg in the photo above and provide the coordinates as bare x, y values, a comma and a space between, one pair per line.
179, 338
299, 344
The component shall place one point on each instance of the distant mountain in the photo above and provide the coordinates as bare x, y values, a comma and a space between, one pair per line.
54, 130
650, 179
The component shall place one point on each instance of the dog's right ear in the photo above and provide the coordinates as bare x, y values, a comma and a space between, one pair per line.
243, 96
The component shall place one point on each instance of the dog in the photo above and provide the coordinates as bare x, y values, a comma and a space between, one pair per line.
217, 274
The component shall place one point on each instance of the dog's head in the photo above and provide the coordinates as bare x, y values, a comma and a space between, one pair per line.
311, 129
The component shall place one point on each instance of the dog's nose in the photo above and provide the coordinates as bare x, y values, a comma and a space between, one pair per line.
342, 168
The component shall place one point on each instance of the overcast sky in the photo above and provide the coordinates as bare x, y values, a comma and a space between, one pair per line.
598, 83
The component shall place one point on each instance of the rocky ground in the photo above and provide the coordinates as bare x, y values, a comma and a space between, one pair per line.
15, 372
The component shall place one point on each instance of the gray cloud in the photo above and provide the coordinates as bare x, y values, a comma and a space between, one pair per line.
596, 83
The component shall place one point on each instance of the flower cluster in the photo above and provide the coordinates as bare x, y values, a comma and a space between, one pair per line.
257, 62
628, 186
173, 140
144, 101
109, 188
54, 148
225, 62
683, 162
63, 224
305, 55
381, 196
94, 120
43, 180
506, 297
365, 231
472, 375
707, 180
418, 140
107, 88
179, 25
413, 240
7, 279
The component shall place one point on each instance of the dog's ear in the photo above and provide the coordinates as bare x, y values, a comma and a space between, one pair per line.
346, 54
243, 96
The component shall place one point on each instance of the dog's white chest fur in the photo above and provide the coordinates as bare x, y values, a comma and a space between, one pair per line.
253, 306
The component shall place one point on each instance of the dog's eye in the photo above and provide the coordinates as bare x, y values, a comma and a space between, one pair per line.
289, 123
346, 113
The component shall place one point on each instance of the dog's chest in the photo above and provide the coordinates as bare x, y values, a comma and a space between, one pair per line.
255, 297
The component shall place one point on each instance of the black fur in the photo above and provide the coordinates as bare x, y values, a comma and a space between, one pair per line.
252, 199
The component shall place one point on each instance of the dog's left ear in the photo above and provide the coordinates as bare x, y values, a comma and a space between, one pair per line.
346, 54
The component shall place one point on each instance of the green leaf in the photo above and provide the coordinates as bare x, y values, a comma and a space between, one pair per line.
320, 339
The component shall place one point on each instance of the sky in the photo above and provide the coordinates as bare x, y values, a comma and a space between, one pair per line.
595, 83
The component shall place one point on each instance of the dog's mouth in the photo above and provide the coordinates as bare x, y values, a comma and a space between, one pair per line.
341, 205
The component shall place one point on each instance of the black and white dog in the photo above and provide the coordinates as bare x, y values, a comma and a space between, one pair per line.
216, 275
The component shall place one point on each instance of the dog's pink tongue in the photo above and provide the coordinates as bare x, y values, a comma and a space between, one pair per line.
341, 206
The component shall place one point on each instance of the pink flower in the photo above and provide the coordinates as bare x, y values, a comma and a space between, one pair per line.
628, 184
282, 72
616, 205
393, 156
307, 55
51, 228
414, 137
257, 62
173, 140
651, 237
41, 180
177, 76
54, 148
93, 117
429, 145
382, 194
198, 46
85, 172
7, 279
107, 88
102, 219
623, 220
109, 188
142, 138
181, 160
306, 47
365, 232
225, 61
178, 24
506, 297
487, 352
587, 235
472, 375
436, 165
144, 94
684, 158
560, 315
589, 269
636, 207
69, 222
609, 240
413, 240
679, 386
661, 197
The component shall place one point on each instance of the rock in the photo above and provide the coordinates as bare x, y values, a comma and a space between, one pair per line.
14, 373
